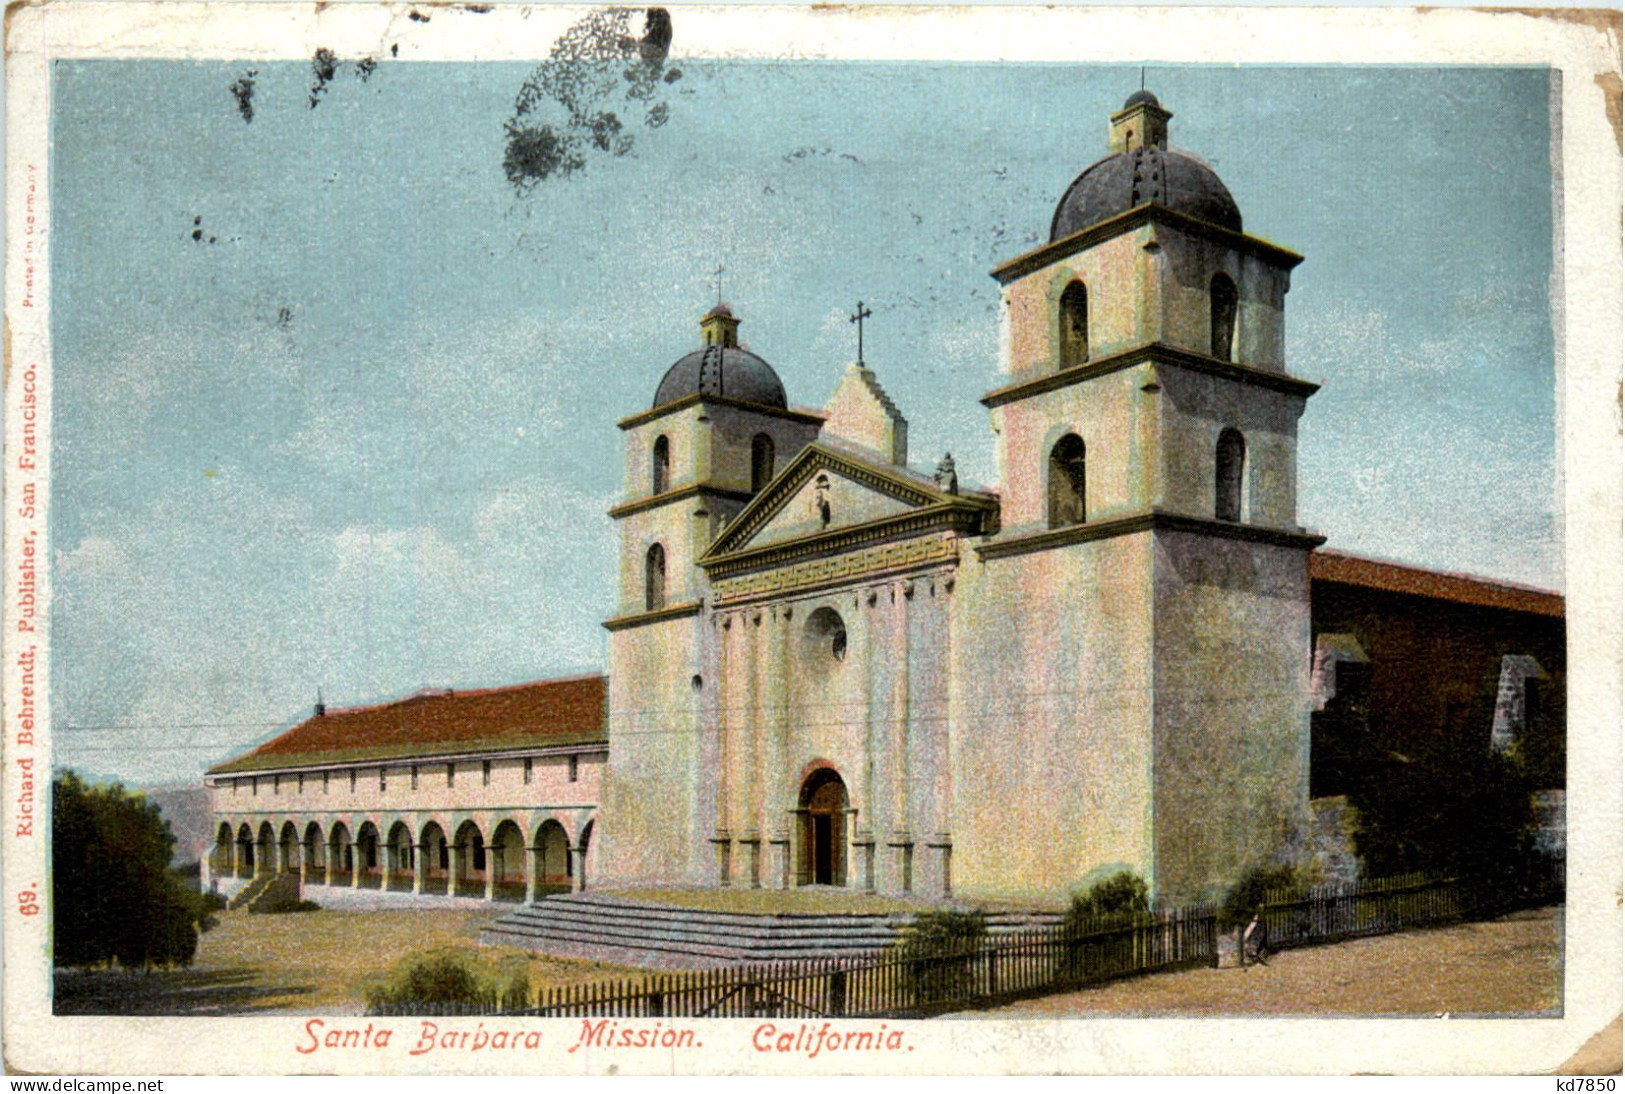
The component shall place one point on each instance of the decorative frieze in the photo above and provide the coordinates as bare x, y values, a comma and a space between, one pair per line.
886, 559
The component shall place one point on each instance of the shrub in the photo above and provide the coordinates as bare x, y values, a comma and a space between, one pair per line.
436, 978
1255, 886
938, 948
1120, 896
114, 895
284, 905
516, 996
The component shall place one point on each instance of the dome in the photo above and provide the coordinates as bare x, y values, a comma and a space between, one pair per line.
1123, 180
1142, 96
728, 371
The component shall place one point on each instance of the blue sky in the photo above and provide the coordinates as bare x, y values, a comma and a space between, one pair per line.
359, 435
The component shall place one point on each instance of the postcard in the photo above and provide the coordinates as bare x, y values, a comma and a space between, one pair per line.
811, 540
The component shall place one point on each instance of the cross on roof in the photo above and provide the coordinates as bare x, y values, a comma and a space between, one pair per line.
718, 271
858, 318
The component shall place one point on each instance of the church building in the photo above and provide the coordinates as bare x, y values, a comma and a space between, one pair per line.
827, 667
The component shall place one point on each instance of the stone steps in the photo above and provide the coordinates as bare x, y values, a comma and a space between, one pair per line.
608, 928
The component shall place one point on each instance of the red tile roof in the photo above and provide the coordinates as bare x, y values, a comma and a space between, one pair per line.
1369, 573
438, 723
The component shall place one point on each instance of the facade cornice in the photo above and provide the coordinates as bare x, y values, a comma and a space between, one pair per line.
644, 417
1137, 217
399, 760
958, 517
395, 810
883, 562
693, 490
1156, 520
1158, 353
641, 619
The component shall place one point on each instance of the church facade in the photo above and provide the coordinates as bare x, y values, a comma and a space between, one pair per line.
830, 669
827, 667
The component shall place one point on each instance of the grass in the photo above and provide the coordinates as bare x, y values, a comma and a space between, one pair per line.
319, 962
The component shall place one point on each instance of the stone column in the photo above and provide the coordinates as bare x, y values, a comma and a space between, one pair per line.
456, 861
901, 841
781, 857
493, 862
864, 844
420, 867
334, 858
943, 844
355, 864
578, 880
304, 865
533, 857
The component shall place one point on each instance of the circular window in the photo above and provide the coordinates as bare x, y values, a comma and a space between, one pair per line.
824, 637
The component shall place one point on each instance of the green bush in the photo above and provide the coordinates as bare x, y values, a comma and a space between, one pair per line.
433, 977
1255, 886
1121, 896
516, 996
939, 949
284, 906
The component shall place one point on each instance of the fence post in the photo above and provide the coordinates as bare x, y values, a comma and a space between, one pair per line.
992, 970
837, 993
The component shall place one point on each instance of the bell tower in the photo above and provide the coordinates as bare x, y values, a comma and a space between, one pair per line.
719, 429
1147, 445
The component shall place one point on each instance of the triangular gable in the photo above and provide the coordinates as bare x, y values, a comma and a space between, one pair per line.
792, 506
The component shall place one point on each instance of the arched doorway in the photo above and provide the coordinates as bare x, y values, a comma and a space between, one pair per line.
508, 861
315, 858
399, 858
220, 862
368, 860
822, 855
340, 855
435, 863
469, 867
554, 864
287, 849
265, 852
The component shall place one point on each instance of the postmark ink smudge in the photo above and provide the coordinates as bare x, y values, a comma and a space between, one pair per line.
325, 66
198, 234
243, 92
417, 16
571, 106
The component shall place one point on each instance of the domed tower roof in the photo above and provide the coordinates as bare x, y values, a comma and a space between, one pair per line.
1142, 170
721, 367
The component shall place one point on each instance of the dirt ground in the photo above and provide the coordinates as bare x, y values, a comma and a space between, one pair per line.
308, 963
1511, 965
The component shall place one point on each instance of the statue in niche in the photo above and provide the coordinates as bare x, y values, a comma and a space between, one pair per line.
821, 499
947, 477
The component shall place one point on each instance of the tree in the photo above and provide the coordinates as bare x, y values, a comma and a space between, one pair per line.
114, 895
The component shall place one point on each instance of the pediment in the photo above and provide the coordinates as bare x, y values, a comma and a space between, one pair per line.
821, 492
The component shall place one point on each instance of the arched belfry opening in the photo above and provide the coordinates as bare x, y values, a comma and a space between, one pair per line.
654, 578
761, 461
1074, 320
660, 465
1230, 476
821, 856
1067, 480
1222, 302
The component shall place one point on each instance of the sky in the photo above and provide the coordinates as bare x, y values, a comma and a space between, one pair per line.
337, 374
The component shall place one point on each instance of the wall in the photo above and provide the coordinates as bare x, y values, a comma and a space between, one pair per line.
1051, 754
1231, 679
